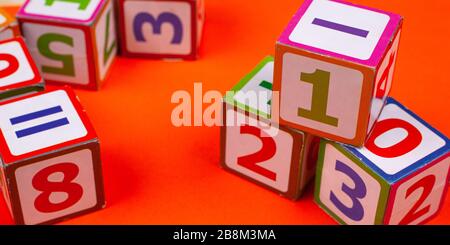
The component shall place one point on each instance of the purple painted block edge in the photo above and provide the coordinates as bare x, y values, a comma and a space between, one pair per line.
378, 52
23, 14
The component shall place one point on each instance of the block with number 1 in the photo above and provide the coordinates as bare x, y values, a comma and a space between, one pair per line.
50, 156
400, 176
73, 41
161, 28
334, 66
278, 158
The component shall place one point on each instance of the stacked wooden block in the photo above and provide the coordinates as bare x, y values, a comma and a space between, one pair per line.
377, 162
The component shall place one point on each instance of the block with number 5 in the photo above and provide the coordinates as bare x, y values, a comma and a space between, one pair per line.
8, 26
19, 74
278, 158
400, 176
73, 41
50, 156
161, 28
334, 68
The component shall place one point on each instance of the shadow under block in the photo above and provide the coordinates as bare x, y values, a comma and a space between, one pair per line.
278, 158
73, 42
334, 67
399, 177
50, 158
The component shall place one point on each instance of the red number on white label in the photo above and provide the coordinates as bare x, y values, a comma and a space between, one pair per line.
13, 65
426, 184
267, 151
73, 190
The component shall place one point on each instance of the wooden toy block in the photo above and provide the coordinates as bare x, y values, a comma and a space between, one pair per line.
278, 158
19, 75
8, 26
73, 41
400, 176
161, 29
50, 155
334, 66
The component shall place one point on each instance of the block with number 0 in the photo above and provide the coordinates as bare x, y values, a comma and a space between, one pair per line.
8, 26
278, 158
161, 28
334, 66
73, 41
19, 74
400, 176
50, 156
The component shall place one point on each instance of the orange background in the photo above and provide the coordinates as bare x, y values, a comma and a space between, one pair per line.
158, 174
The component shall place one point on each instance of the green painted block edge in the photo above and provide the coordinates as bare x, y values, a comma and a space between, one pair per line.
229, 97
384, 192
16, 92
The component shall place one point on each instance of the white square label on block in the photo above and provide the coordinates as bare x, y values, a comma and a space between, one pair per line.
347, 190
56, 187
320, 95
158, 27
402, 142
2, 20
81, 10
261, 153
105, 34
14, 64
39, 122
340, 28
420, 197
61, 52
257, 93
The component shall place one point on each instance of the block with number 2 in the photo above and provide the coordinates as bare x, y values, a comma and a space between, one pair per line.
73, 41
400, 176
19, 74
334, 68
161, 28
50, 156
278, 158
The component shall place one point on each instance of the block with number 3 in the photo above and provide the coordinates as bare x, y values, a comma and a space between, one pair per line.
400, 176
278, 158
73, 41
334, 68
8, 26
50, 156
161, 28
19, 74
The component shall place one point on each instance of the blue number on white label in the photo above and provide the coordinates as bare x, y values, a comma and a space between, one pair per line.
356, 211
157, 23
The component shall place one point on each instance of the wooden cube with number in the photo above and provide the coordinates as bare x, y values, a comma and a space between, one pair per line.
50, 155
8, 26
334, 67
400, 176
278, 158
161, 28
73, 41
19, 74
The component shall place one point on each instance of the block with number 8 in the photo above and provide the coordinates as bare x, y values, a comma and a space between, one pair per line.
73, 41
161, 28
19, 74
278, 158
400, 176
334, 68
50, 157
8, 26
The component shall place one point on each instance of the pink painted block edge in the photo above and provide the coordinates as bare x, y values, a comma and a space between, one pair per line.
378, 52
22, 13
